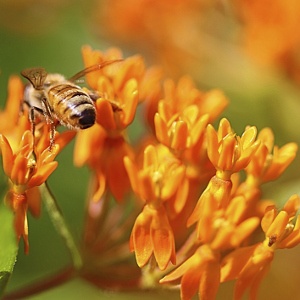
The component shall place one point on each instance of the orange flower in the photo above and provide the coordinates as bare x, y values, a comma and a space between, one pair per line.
160, 176
278, 227
117, 86
105, 145
156, 182
180, 123
181, 130
153, 26
22, 168
228, 228
12, 124
25, 173
116, 109
270, 28
178, 101
152, 235
251, 198
94, 57
215, 196
225, 225
184, 93
249, 265
104, 155
267, 166
137, 18
228, 152
27, 168
200, 272
151, 92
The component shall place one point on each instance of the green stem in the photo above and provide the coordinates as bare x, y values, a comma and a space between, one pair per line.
60, 225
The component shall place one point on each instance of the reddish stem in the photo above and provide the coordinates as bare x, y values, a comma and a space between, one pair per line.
43, 285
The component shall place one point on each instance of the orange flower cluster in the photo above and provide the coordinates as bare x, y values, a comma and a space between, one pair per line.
266, 31
180, 202
27, 159
270, 33
227, 213
170, 26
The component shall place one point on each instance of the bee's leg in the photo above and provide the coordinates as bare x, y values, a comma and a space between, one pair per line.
32, 120
31, 114
52, 135
50, 120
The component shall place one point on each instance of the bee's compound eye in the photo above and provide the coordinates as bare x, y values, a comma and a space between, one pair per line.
87, 118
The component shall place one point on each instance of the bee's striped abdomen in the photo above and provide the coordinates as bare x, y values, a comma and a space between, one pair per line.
72, 106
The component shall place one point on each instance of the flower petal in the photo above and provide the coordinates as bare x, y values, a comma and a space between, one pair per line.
101, 186
268, 218
278, 226
248, 137
212, 145
291, 241
179, 135
161, 129
210, 281
140, 240
190, 283
162, 239
132, 172
105, 114
7, 155
233, 263
42, 174
131, 96
292, 205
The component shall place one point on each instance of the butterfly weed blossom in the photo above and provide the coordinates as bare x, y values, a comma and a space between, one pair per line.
171, 208
27, 162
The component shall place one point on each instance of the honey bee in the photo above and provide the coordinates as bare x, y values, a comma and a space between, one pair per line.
60, 100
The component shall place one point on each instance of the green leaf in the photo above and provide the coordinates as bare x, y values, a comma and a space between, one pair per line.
8, 247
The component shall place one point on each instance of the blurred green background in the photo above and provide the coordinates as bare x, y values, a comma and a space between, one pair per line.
51, 34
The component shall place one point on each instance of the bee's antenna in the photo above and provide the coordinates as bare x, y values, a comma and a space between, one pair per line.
93, 68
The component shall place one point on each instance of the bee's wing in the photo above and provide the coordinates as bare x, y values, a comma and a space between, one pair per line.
36, 76
93, 68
